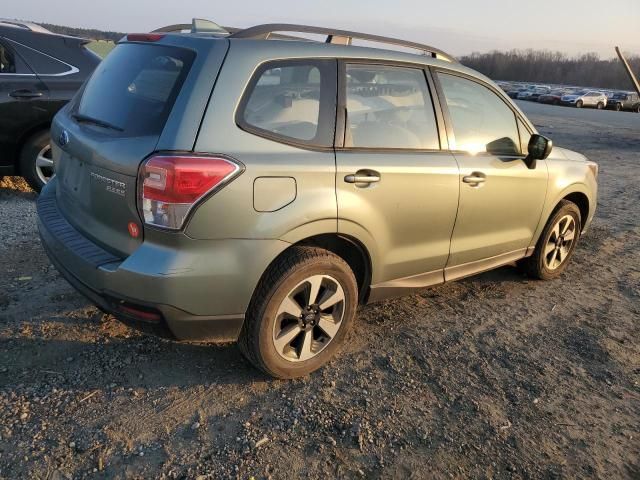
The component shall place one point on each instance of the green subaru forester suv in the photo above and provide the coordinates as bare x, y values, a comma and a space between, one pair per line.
257, 186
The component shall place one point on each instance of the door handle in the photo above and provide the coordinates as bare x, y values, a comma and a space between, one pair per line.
25, 94
475, 178
362, 178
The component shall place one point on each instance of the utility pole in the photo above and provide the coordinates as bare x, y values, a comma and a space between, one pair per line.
632, 76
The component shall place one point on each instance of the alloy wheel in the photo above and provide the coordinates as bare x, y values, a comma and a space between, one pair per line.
560, 242
44, 165
309, 318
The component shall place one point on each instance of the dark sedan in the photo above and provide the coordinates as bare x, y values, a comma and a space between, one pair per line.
39, 73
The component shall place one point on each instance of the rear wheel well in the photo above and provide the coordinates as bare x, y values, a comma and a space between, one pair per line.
352, 252
581, 200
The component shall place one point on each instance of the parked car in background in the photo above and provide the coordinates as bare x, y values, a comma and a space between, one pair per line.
508, 87
585, 98
554, 97
533, 94
39, 73
233, 187
516, 92
629, 101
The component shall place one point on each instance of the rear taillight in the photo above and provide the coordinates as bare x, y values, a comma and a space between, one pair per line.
172, 185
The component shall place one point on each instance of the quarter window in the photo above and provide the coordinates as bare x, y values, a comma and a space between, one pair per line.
293, 101
482, 122
389, 107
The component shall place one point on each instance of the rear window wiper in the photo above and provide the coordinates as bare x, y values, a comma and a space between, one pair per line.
101, 123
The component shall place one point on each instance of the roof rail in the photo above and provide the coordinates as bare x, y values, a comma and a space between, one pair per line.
341, 37
33, 27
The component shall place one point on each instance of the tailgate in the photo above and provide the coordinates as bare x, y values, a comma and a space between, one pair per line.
141, 98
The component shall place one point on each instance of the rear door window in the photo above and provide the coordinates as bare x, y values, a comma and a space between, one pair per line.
134, 89
292, 101
389, 107
482, 121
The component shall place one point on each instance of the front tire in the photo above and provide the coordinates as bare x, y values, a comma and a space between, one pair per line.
618, 107
600, 106
36, 164
579, 104
300, 313
556, 244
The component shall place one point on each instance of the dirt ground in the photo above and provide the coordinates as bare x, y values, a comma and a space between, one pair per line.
495, 376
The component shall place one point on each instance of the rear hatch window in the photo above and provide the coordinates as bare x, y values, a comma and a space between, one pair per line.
135, 87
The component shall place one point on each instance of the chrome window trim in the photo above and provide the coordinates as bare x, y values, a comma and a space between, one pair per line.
72, 69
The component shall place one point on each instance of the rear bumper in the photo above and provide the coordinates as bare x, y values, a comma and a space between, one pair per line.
199, 291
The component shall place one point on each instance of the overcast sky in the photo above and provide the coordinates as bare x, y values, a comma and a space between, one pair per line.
458, 26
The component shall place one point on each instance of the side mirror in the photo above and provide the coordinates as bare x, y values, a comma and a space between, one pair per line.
539, 149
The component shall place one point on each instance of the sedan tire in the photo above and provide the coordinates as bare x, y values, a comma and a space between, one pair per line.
36, 164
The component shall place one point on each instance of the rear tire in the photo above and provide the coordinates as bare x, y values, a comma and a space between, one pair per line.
36, 166
556, 244
287, 333
579, 104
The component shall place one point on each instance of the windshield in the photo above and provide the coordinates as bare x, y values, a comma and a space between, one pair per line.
133, 90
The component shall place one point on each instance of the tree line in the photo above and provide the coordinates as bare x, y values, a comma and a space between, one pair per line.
90, 33
587, 70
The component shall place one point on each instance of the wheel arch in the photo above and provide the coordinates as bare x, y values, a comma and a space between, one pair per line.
581, 200
577, 193
350, 249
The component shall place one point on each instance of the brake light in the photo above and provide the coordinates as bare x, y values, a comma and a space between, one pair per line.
145, 37
171, 186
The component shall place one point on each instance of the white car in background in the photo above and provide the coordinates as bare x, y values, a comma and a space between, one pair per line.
585, 98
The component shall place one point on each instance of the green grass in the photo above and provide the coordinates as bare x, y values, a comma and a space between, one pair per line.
101, 47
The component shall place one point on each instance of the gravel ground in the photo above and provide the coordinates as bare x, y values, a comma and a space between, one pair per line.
495, 376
